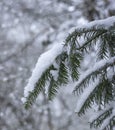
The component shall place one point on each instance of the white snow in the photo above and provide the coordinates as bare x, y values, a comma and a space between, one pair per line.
110, 73
44, 61
98, 113
106, 122
92, 86
87, 91
99, 65
105, 23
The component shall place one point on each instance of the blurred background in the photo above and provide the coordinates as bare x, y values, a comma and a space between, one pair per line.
27, 29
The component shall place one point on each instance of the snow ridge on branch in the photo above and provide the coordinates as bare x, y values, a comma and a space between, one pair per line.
61, 64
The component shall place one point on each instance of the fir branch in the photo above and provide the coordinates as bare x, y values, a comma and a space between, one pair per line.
102, 50
63, 70
62, 78
92, 38
38, 87
102, 94
52, 90
63, 74
74, 64
91, 35
87, 98
108, 123
69, 61
97, 122
93, 73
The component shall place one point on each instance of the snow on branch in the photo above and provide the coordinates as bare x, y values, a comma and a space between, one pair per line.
91, 33
87, 35
85, 95
101, 112
106, 122
98, 67
44, 61
104, 23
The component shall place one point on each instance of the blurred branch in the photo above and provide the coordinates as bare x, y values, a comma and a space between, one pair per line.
19, 51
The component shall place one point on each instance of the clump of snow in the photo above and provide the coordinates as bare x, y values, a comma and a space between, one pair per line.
105, 23
92, 86
110, 73
99, 113
99, 65
44, 61
82, 21
87, 91
106, 122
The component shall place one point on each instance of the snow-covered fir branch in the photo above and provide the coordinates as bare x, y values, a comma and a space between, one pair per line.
93, 85
44, 61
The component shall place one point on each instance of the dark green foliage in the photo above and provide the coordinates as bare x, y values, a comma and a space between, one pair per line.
63, 70
106, 114
91, 76
107, 45
74, 65
99, 119
90, 37
63, 74
38, 87
101, 95
62, 78
78, 43
53, 87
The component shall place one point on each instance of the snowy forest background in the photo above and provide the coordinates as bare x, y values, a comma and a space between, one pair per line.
27, 29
